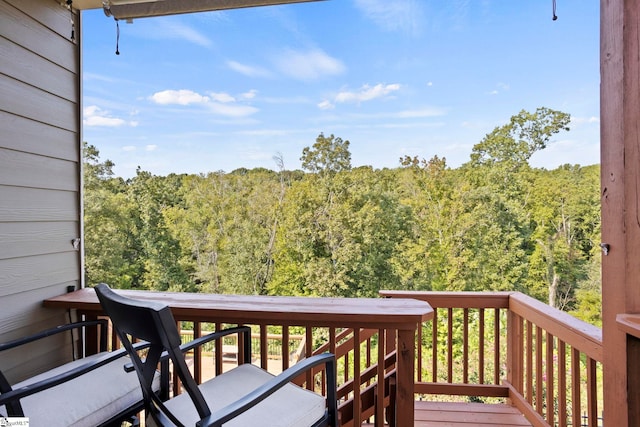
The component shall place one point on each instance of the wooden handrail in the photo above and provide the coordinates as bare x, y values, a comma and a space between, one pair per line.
576, 333
455, 299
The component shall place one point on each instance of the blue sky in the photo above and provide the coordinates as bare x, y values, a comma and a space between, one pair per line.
215, 91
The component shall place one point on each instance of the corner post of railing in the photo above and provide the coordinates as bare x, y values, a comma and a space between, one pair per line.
515, 363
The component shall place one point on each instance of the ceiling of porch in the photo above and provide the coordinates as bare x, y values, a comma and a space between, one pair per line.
130, 9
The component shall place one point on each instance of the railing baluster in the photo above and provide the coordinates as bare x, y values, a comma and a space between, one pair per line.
465, 346
496, 346
575, 388
481, 346
562, 384
529, 387
419, 353
197, 354
515, 351
434, 346
356, 377
450, 344
539, 381
264, 347
346, 367
592, 396
550, 380
309, 353
218, 351
286, 351
379, 418
369, 359
176, 380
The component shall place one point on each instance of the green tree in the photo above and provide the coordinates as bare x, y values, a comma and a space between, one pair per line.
564, 210
110, 236
159, 249
525, 134
328, 155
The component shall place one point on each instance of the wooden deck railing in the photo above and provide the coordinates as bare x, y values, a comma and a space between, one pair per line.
361, 332
507, 345
487, 346
358, 370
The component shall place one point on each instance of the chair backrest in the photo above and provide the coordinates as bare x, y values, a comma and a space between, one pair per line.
153, 323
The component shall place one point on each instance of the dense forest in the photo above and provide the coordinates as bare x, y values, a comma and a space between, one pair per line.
494, 223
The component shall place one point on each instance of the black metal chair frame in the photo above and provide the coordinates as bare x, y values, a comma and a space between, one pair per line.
153, 323
10, 398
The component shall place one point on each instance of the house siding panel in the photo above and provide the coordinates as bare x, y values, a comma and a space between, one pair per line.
23, 134
21, 204
30, 68
27, 101
25, 239
30, 170
39, 174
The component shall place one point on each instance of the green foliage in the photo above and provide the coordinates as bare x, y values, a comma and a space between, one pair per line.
327, 156
495, 223
518, 140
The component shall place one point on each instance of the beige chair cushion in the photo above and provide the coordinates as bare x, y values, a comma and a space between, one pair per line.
290, 406
87, 400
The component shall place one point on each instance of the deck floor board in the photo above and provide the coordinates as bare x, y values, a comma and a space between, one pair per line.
452, 414
467, 414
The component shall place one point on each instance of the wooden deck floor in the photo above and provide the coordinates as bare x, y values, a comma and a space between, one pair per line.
446, 414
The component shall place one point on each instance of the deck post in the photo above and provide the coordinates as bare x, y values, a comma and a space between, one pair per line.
620, 183
405, 401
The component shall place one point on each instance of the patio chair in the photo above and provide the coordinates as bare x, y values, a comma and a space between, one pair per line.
242, 397
87, 392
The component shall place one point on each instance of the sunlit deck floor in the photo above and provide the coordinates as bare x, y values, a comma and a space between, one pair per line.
467, 414
448, 414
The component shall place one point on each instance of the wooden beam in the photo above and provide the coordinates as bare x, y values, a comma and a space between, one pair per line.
620, 187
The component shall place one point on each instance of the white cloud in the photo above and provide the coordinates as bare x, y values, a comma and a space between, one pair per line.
249, 94
309, 65
151, 147
180, 97
398, 15
94, 116
326, 105
248, 70
222, 97
367, 93
217, 102
128, 148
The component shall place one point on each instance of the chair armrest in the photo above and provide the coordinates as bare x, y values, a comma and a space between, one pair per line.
102, 323
13, 395
218, 418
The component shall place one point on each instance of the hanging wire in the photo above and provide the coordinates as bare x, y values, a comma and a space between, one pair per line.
117, 36
69, 4
555, 17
